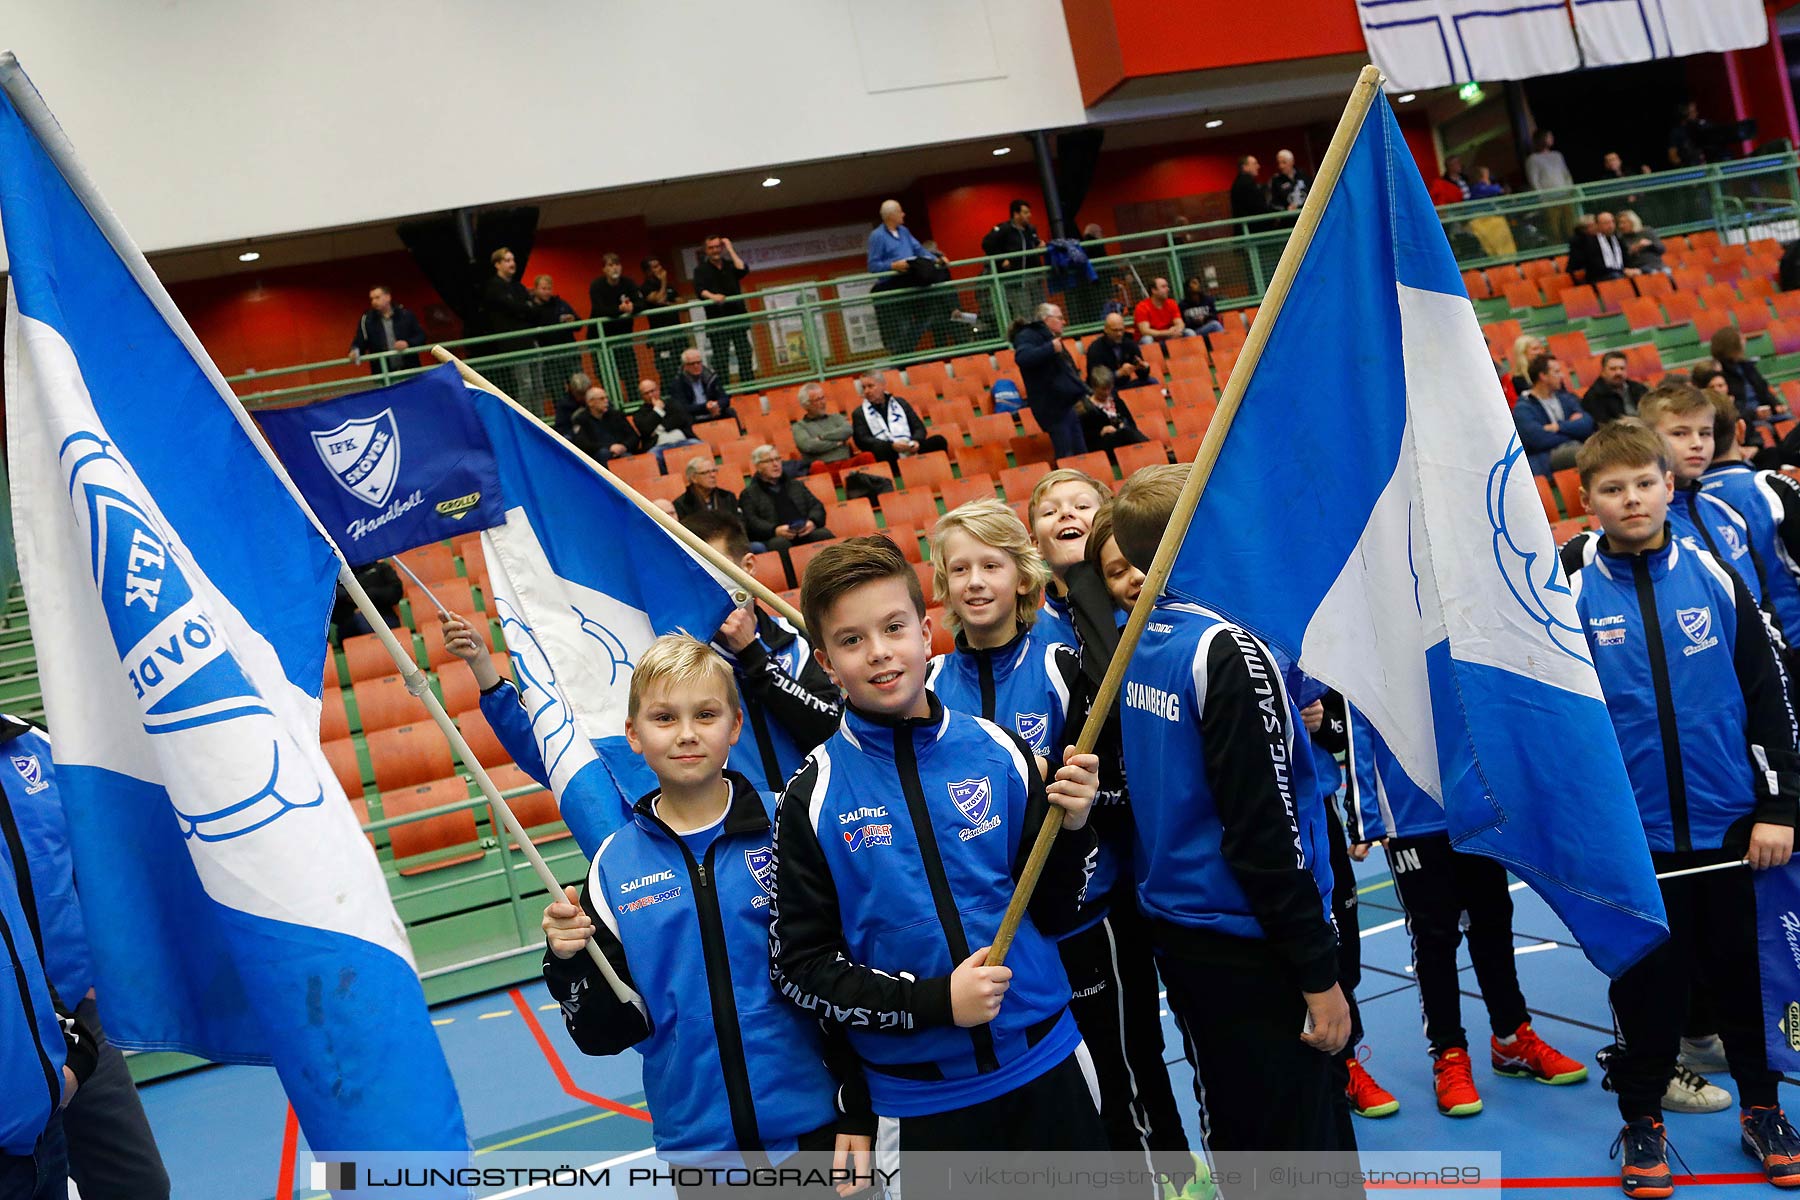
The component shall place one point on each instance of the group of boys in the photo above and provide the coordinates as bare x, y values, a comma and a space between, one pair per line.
859, 916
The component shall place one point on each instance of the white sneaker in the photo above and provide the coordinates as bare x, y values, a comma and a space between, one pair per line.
1704, 1056
1691, 1093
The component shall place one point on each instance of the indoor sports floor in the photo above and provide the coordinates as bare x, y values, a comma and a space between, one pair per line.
224, 1134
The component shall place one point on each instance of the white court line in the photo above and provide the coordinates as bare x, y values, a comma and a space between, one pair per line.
599, 1166
1518, 950
1396, 923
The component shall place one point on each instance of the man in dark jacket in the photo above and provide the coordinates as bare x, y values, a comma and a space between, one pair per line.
778, 511
662, 421
887, 426
615, 300
661, 309
1119, 354
701, 390
556, 319
1013, 237
1613, 395
1053, 387
382, 583
506, 307
601, 431
1549, 419
1599, 255
719, 279
703, 492
1248, 197
387, 326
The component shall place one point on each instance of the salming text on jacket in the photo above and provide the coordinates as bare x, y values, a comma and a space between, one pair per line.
897, 848
1769, 502
1696, 694
728, 1065
1231, 828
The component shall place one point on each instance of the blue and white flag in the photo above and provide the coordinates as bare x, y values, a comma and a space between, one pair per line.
1372, 516
583, 582
391, 468
1778, 954
179, 597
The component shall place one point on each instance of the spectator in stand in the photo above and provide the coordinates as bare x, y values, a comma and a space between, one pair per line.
1756, 400
506, 307
1643, 249
1120, 356
1014, 237
716, 280
1549, 419
1105, 421
703, 493
662, 421
1248, 197
1708, 378
1613, 395
1457, 177
778, 511
572, 401
601, 431
1443, 192
1525, 347
615, 299
887, 426
556, 327
1687, 138
700, 390
1484, 187
387, 326
1053, 387
1287, 187
1158, 317
821, 436
661, 312
1599, 255
382, 582
894, 254
1199, 309
1545, 170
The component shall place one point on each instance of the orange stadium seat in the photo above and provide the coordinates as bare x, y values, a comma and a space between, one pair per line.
384, 703
434, 561
341, 754
995, 430
408, 755
1017, 482
971, 487
536, 810
915, 507
433, 836
480, 735
1642, 312
925, 471
907, 538
850, 518
1135, 458
981, 460
1614, 293
1032, 447
1094, 462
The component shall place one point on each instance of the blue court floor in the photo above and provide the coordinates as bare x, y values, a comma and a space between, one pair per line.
524, 1086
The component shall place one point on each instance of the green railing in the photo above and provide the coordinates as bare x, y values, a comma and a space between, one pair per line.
811, 330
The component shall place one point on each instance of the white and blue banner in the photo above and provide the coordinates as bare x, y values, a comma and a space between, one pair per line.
1612, 32
1778, 953
392, 468
583, 582
1421, 44
179, 595
1412, 568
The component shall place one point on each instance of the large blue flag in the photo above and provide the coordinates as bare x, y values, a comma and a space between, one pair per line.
1372, 516
393, 468
583, 581
179, 597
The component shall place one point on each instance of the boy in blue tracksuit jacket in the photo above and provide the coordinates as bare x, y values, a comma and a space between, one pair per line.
679, 901
1769, 502
990, 579
112, 1152
1701, 709
1437, 885
1683, 415
1231, 861
898, 846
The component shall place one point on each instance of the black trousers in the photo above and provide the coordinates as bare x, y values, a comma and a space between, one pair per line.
1113, 978
112, 1153
885, 452
732, 344
1344, 914
1240, 1021
1712, 943
1436, 886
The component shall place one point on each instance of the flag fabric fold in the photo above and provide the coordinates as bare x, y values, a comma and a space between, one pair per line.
179, 596
583, 581
1372, 516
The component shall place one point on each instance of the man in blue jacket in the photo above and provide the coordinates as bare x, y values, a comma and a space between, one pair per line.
1549, 418
1053, 387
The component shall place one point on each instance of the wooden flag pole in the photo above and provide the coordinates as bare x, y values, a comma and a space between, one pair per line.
681, 533
1362, 98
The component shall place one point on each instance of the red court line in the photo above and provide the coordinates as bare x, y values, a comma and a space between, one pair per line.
290, 1148
1612, 1181
562, 1072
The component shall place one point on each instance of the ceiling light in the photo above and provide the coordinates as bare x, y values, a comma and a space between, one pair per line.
1214, 123
249, 256
1000, 151
771, 181
1409, 97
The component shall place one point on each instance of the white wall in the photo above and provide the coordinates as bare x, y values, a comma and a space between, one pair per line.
204, 121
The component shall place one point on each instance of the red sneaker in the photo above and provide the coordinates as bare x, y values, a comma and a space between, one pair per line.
1368, 1098
1529, 1056
1455, 1084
